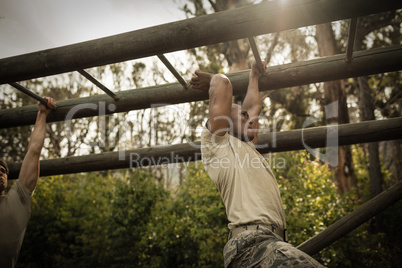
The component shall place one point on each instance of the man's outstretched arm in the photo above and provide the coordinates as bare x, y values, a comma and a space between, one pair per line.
29, 172
252, 101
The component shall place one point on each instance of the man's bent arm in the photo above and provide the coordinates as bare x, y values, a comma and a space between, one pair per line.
220, 104
29, 172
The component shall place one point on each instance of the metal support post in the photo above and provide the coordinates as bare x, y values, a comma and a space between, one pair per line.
98, 84
351, 39
256, 54
29, 93
173, 70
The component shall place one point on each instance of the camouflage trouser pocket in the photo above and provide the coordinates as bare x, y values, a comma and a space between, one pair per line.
242, 247
289, 256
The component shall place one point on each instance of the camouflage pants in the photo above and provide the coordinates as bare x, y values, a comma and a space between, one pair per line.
262, 248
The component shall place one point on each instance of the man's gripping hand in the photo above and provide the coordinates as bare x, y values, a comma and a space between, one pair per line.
255, 71
51, 104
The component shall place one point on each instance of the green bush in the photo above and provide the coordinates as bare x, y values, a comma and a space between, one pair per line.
128, 219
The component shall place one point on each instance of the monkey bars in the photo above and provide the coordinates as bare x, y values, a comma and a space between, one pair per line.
281, 76
246, 22
253, 20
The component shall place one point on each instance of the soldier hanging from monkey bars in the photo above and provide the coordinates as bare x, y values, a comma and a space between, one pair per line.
257, 227
15, 205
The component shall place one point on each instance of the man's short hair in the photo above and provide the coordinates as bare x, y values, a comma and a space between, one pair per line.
4, 164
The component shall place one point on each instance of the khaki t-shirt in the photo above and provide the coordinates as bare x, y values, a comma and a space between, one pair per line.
244, 179
15, 210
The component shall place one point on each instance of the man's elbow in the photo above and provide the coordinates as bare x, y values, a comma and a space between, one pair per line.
220, 81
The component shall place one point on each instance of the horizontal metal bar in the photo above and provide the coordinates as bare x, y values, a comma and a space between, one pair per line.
173, 70
253, 20
314, 137
29, 93
99, 84
281, 76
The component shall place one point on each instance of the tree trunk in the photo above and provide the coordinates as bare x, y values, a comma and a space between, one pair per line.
335, 91
391, 151
367, 113
366, 107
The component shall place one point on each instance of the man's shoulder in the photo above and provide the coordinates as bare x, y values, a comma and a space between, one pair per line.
208, 137
213, 145
21, 187
19, 193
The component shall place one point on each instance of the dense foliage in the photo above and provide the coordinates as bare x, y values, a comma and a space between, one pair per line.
127, 219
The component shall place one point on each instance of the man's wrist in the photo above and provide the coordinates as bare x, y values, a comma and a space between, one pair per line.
254, 76
43, 113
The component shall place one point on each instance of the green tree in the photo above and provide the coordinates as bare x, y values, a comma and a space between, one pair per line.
312, 203
133, 202
191, 229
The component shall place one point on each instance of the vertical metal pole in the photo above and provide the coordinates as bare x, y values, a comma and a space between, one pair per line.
256, 54
351, 39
